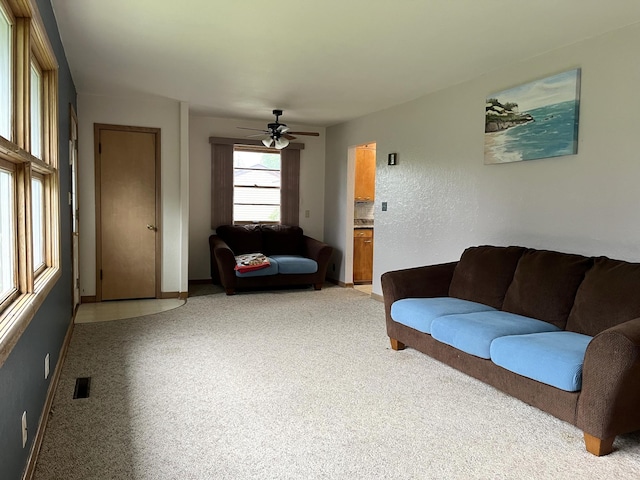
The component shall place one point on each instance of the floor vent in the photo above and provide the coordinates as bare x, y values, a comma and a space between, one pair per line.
83, 385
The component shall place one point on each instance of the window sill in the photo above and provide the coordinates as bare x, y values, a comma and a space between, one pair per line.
16, 318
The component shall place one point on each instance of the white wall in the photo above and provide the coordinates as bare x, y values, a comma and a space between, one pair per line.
312, 176
442, 198
156, 113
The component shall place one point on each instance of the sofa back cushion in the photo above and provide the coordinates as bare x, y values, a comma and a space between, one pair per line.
544, 285
241, 238
484, 273
282, 240
608, 296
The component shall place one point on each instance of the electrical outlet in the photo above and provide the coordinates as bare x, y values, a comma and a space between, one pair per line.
384, 206
307, 213
46, 366
24, 429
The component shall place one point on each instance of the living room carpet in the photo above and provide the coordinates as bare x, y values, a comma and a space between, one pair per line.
293, 384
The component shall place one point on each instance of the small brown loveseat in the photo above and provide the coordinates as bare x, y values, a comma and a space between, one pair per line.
296, 259
558, 331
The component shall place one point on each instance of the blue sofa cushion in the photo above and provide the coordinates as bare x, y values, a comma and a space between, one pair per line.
288, 264
419, 313
553, 358
474, 332
272, 269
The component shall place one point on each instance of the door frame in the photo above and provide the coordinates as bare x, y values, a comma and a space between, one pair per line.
97, 128
349, 217
75, 216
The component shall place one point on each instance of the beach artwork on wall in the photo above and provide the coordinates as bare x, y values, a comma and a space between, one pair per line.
535, 120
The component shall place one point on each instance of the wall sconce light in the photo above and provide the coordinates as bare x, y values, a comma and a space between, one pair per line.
392, 159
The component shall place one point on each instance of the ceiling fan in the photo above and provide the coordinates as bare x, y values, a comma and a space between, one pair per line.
278, 134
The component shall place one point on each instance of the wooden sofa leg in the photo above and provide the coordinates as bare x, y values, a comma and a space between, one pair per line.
598, 446
317, 286
396, 345
230, 291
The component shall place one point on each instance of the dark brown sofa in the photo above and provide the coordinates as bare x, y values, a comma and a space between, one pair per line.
598, 297
276, 240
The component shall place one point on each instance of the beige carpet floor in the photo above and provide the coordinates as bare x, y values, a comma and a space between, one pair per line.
293, 385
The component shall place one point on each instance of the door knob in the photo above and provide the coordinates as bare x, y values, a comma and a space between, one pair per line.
151, 227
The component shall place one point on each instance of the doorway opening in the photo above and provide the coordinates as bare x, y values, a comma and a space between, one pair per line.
363, 215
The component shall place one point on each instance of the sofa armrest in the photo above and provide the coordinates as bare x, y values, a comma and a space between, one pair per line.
608, 403
222, 260
315, 249
318, 251
418, 282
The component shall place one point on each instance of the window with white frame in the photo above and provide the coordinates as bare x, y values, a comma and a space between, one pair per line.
6, 46
29, 187
256, 185
7, 233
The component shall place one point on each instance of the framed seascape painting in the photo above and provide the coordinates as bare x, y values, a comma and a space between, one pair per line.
535, 120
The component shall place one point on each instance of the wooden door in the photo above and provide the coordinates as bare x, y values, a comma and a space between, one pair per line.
128, 239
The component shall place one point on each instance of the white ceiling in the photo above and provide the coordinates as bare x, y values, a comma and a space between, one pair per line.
322, 61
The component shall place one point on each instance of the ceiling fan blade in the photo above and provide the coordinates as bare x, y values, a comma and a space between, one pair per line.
256, 129
288, 137
312, 134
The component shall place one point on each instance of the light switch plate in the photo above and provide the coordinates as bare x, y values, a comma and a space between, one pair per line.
24, 429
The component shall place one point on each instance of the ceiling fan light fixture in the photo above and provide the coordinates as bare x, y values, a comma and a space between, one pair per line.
281, 143
277, 134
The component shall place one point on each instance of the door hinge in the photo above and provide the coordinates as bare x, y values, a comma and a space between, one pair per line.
100, 148
100, 274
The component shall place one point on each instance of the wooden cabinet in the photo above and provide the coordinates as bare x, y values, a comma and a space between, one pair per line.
362, 255
365, 175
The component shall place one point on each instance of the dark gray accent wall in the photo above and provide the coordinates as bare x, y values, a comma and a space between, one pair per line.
22, 383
